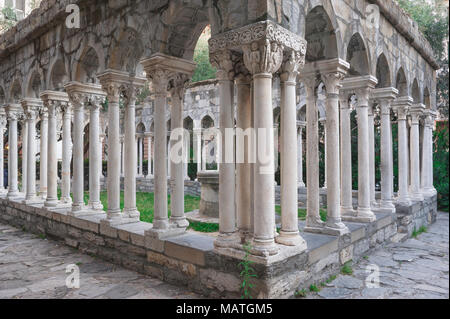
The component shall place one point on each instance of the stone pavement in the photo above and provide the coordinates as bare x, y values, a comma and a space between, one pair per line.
416, 268
31, 267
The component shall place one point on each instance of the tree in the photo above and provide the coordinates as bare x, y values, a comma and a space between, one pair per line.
432, 19
204, 70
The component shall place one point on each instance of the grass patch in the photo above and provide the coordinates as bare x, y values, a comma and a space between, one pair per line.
421, 230
302, 213
313, 288
347, 268
300, 293
204, 227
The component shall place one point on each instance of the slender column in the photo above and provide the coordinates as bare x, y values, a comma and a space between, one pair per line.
289, 234
52, 164
227, 177
346, 157
431, 151
177, 218
141, 156
150, 157
324, 123
3, 123
427, 150
113, 90
24, 153
13, 114
415, 111
94, 155
186, 159
78, 160
364, 212
100, 152
130, 152
371, 125
301, 183
31, 114
66, 154
334, 223
43, 151
401, 107
243, 166
313, 221
198, 147
122, 156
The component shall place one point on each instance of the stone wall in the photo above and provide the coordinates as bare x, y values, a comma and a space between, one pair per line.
190, 259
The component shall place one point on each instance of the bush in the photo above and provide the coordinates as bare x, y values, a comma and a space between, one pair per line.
441, 166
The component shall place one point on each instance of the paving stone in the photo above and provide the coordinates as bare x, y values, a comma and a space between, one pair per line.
348, 282
334, 293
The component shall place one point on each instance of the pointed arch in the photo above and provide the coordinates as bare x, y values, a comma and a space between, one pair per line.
401, 83
358, 56
383, 72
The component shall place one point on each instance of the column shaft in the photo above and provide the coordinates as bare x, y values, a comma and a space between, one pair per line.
94, 156
113, 175
43, 152
31, 158
24, 154
301, 183
403, 193
346, 159
415, 158
52, 164
78, 160
386, 156
13, 190
66, 156
371, 125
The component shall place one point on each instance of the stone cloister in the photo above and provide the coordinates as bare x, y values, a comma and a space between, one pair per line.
341, 56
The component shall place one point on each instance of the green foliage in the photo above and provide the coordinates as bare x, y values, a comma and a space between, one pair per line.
314, 288
247, 273
204, 70
204, 227
347, 268
302, 213
432, 19
421, 230
300, 293
8, 18
441, 166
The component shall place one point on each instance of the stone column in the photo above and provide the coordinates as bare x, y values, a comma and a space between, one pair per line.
313, 221
130, 93
111, 83
362, 87
43, 151
334, 225
371, 125
324, 123
100, 146
346, 156
415, 111
427, 150
3, 123
289, 234
31, 107
122, 156
24, 152
160, 69
95, 160
401, 106
301, 183
198, 146
150, 157
141, 157
177, 218
243, 166
66, 154
227, 178
52, 164
384, 97
13, 112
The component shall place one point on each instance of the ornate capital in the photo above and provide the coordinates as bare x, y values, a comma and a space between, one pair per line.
160, 81
177, 85
294, 61
332, 81
223, 62
362, 94
78, 99
113, 90
263, 56
95, 102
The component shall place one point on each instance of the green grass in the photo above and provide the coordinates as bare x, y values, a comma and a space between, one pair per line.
302, 213
204, 227
313, 288
300, 293
421, 230
347, 268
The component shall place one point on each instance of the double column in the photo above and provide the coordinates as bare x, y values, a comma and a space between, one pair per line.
361, 87
13, 112
384, 98
401, 106
31, 108
427, 154
416, 112
3, 123
162, 69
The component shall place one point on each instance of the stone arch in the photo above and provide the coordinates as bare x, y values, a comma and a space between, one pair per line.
182, 27
357, 56
401, 82
320, 33
188, 123
35, 83
207, 122
415, 91
383, 72
88, 63
2, 95
126, 51
15, 92
57, 75
427, 98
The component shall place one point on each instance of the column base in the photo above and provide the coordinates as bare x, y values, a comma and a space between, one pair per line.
43, 196
149, 177
315, 225
84, 212
348, 211
385, 207
51, 202
416, 196
179, 222
66, 201
404, 201
95, 206
131, 213
363, 215
291, 239
301, 185
335, 227
161, 234
33, 201
78, 207
161, 224
227, 240
264, 247
11, 195
116, 221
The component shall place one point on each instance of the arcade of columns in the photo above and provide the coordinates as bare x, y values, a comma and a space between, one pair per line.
246, 59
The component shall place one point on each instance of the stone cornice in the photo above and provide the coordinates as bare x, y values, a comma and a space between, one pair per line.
264, 30
325, 67
359, 82
54, 96
77, 87
387, 93
168, 63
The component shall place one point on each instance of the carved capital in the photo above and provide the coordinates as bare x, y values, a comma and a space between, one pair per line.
223, 62
112, 90
177, 85
332, 81
160, 81
294, 62
95, 102
362, 94
263, 56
